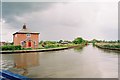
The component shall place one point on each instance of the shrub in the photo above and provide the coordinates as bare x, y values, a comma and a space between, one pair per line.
10, 47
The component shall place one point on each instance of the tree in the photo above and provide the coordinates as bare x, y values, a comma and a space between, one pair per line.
41, 42
78, 40
118, 41
60, 41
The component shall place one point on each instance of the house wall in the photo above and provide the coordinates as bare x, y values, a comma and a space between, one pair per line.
18, 38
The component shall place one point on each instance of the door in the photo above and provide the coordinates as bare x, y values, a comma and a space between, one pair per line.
29, 44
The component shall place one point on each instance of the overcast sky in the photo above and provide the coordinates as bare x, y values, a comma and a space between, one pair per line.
61, 20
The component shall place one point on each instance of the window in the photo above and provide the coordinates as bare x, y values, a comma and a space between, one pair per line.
28, 35
35, 43
23, 43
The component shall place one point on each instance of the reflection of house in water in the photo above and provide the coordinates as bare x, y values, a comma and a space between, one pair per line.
25, 60
26, 39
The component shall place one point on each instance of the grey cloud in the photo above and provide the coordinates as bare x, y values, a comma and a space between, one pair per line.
57, 21
11, 9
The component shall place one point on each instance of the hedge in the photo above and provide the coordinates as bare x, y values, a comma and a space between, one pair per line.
10, 47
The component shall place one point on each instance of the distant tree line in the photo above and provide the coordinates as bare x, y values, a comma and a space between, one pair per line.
105, 41
77, 40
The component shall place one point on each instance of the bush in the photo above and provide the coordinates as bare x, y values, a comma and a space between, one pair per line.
10, 47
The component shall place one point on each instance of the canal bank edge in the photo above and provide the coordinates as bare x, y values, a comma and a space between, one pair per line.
37, 50
118, 49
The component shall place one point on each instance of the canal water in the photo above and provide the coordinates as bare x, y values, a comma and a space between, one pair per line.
87, 62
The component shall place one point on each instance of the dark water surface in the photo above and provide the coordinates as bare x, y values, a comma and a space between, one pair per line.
89, 62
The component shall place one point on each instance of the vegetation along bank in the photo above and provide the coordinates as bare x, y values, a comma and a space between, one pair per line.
108, 45
45, 46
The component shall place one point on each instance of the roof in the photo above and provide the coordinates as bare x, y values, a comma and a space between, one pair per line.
25, 30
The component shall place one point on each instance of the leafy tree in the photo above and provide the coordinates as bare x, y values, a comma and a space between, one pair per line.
60, 41
78, 40
118, 41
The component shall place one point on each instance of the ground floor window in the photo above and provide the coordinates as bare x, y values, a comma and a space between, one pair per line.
23, 43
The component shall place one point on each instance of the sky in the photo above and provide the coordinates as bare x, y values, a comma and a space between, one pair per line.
61, 20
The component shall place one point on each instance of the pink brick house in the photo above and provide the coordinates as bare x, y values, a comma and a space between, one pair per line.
26, 38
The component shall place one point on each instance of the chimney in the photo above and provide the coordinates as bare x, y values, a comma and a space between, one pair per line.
24, 26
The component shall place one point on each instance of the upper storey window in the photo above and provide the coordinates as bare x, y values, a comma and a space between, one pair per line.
28, 35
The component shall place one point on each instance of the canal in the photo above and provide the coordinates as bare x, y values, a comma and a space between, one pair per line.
87, 62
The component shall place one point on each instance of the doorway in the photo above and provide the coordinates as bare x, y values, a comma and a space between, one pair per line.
29, 44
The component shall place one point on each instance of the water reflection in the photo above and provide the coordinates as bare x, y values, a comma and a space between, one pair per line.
110, 51
78, 49
24, 61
